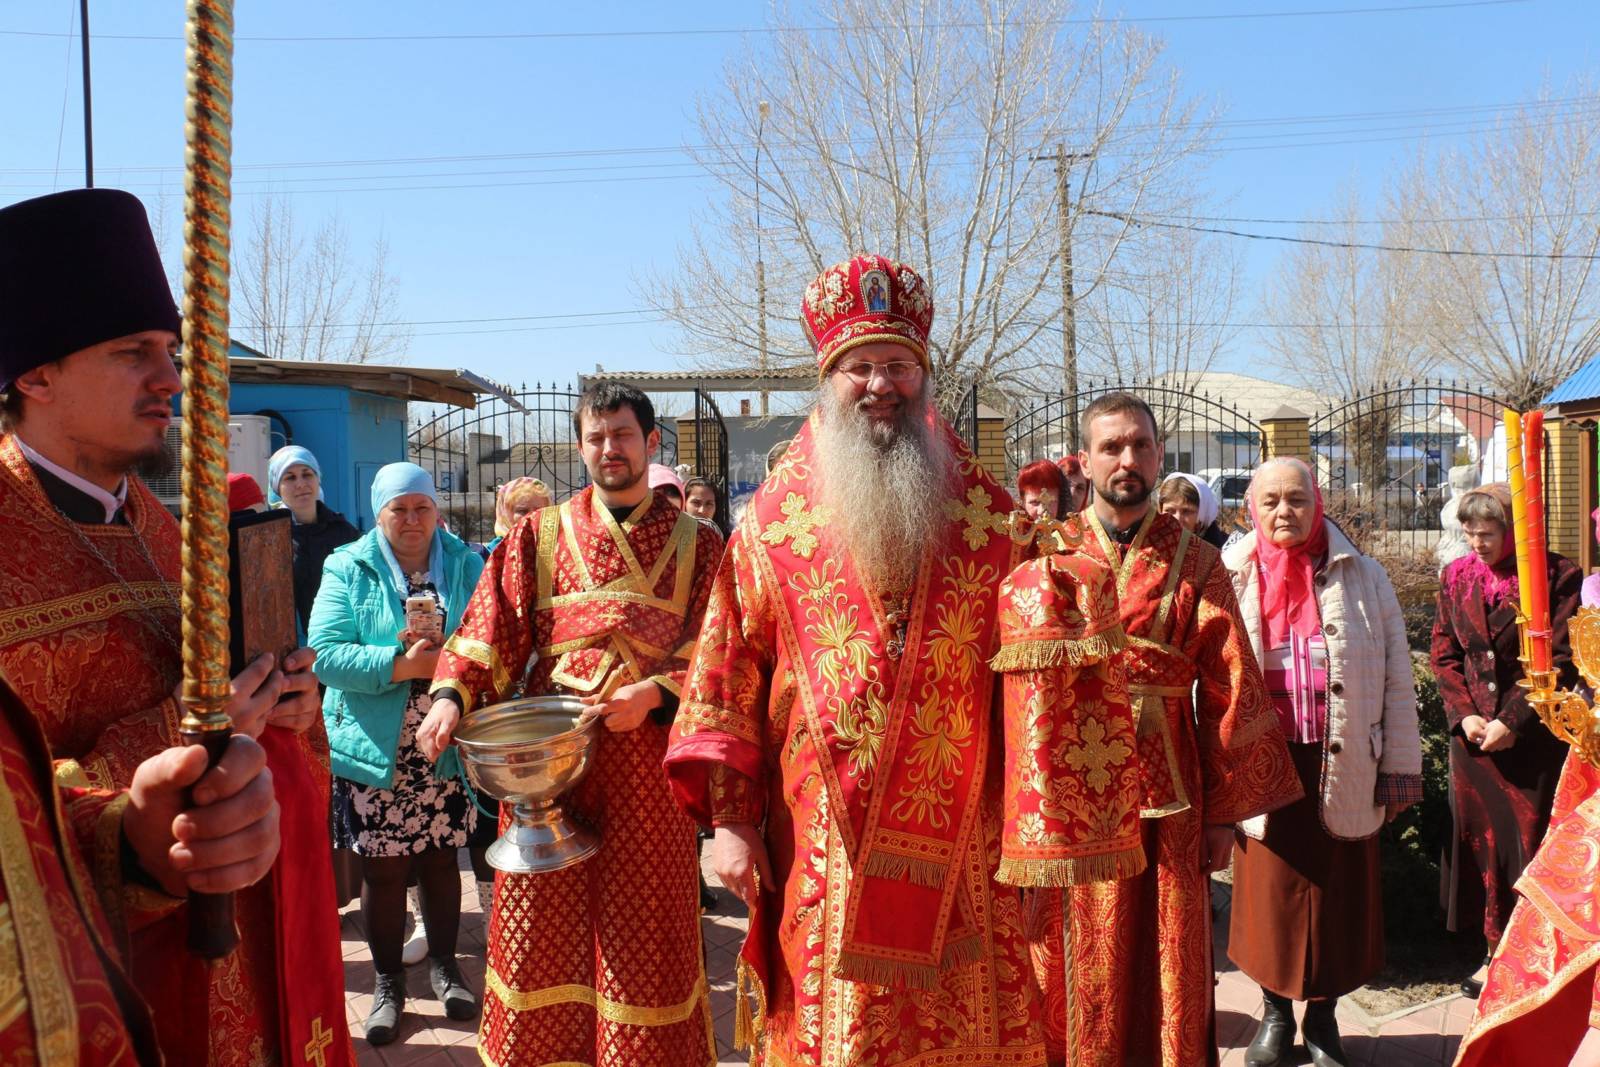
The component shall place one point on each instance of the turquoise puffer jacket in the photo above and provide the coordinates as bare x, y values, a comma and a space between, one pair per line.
354, 626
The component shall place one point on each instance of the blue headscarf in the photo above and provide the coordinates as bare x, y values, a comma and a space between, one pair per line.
401, 479
281, 461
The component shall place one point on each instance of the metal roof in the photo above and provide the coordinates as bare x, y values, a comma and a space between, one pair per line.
459, 387
1583, 385
776, 380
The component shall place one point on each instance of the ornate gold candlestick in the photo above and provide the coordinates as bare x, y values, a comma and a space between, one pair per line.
1564, 713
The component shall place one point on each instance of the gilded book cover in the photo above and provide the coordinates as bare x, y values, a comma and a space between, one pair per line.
261, 587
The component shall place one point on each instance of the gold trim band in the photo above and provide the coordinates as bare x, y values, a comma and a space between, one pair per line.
610, 1010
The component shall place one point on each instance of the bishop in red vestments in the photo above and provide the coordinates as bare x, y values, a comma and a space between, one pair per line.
602, 596
89, 628
1127, 964
840, 725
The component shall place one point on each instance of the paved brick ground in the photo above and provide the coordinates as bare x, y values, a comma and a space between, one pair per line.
1425, 1038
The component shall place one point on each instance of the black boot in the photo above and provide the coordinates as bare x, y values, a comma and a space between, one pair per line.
1473, 986
1275, 1037
1321, 1033
388, 1001
451, 989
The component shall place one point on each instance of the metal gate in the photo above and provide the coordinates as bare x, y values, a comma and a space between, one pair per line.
1203, 435
1384, 457
472, 452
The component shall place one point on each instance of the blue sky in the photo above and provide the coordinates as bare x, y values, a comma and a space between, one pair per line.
538, 238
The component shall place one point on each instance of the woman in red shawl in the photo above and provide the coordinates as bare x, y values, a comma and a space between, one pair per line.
1327, 628
1503, 763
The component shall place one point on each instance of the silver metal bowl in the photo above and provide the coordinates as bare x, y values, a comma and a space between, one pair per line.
527, 753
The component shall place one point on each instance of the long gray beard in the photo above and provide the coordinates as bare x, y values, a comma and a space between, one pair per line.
885, 488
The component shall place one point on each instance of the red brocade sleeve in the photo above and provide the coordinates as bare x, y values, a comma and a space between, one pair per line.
1244, 759
672, 671
715, 760
121, 746
490, 648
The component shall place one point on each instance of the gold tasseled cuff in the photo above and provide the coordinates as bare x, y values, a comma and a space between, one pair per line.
1044, 655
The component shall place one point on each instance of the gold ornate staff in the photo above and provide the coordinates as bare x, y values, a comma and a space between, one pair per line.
208, 110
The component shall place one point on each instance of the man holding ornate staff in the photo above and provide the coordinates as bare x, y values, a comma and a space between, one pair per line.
89, 619
839, 725
601, 596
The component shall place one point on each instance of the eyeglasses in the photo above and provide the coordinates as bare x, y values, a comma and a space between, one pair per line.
861, 372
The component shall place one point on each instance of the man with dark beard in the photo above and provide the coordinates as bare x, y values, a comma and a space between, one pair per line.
1131, 959
89, 624
601, 596
838, 720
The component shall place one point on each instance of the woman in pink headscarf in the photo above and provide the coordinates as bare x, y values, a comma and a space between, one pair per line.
663, 479
518, 497
1504, 764
1327, 630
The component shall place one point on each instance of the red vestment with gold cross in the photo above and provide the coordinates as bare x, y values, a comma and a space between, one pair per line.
600, 963
1126, 965
63, 995
1543, 988
872, 762
88, 642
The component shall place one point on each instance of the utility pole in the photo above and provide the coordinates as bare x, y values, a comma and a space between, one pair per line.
761, 268
1069, 317
88, 108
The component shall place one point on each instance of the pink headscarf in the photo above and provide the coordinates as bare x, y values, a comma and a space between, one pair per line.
1288, 593
662, 475
1497, 581
518, 492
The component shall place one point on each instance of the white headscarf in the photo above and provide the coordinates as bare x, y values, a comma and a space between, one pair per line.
1209, 506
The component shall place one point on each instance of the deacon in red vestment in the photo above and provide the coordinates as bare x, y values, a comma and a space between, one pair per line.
1131, 959
89, 626
602, 596
68, 855
840, 730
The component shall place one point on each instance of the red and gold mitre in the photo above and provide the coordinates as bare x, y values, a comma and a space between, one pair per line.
864, 299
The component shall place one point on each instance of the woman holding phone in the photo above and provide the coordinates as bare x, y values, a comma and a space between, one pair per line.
387, 603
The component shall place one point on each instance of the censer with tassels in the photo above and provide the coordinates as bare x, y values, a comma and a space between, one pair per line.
1566, 714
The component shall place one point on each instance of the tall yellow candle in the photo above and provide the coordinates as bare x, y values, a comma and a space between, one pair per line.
1519, 508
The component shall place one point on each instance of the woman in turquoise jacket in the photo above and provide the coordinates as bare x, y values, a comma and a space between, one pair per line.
386, 604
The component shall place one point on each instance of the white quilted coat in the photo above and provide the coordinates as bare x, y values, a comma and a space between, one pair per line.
1372, 705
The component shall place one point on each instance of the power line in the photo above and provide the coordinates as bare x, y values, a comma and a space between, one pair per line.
1476, 253
572, 35
1585, 103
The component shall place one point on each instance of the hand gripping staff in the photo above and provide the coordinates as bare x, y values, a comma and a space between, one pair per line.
208, 111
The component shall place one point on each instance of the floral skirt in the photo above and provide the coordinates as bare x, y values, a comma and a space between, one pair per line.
420, 811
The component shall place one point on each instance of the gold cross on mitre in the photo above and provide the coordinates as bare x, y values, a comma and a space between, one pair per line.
976, 515
321, 1041
796, 526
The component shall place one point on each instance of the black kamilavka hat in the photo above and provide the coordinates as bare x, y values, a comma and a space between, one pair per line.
76, 269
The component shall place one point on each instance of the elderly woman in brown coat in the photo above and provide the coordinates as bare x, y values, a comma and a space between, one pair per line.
1325, 623
1504, 764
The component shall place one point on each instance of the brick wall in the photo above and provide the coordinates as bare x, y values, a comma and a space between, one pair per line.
1563, 509
992, 450
1286, 437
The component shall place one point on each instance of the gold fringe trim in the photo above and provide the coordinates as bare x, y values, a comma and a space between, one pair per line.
1044, 655
874, 970
1077, 870
930, 874
963, 953
749, 1026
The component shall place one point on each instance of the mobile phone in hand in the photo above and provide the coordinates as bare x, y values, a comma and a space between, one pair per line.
424, 619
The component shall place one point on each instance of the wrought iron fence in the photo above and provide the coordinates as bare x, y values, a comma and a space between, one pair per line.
1384, 457
965, 420
711, 450
472, 452
1202, 433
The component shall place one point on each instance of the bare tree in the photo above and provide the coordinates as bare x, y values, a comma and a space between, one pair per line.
1524, 311
1342, 319
296, 298
1166, 312
926, 130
